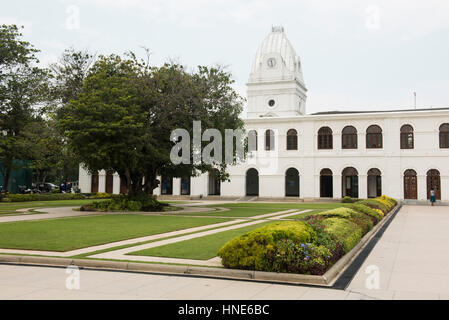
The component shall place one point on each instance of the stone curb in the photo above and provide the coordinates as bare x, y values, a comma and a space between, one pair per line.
223, 273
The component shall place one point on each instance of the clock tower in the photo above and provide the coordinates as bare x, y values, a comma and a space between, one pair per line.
276, 87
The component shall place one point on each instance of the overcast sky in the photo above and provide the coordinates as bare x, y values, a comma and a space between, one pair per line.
356, 54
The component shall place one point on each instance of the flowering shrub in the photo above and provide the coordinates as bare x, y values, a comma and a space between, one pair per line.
305, 258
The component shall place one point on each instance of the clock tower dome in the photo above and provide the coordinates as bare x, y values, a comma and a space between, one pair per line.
276, 87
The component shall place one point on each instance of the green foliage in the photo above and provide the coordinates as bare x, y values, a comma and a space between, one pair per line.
364, 222
22, 88
296, 257
372, 203
366, 210
250, 251
347, 199
345, 231
43, 197
140, 202
122, 118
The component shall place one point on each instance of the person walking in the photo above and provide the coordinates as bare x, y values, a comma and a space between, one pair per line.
432, 197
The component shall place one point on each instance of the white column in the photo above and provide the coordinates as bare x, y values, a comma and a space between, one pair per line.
363, 186
102, 181
336, 179
444, 188
116, 184
176, 186
317, 186
422, 187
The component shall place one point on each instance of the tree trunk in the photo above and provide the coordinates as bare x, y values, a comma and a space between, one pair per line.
151, 182
8, 167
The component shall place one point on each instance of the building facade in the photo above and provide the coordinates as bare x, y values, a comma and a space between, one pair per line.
400, 153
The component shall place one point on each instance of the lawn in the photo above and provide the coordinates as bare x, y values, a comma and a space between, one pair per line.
203, 248
66, 234
11, 207
244, 212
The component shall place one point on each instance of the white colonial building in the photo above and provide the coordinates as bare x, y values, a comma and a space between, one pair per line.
400, 153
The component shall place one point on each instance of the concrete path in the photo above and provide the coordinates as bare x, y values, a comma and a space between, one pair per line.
412, 257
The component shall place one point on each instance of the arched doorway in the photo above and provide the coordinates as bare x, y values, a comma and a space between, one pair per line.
350, 183
374, 183
185, 186
109, 187
410, 185
434, 181
252, 182
94, 183
166, 186
214, 183
292, 183
326, 184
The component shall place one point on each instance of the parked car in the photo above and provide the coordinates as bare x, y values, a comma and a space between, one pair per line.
47, 187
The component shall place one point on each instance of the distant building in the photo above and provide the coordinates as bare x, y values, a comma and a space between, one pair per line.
401, 153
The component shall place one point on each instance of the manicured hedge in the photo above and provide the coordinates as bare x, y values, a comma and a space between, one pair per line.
310, 246
52, 196
250, 250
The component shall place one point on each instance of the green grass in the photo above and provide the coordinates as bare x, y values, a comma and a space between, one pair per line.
12, 207
244, 212
66, 234
203, 248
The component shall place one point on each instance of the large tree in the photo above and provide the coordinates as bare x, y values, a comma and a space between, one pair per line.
123, 117
22, 88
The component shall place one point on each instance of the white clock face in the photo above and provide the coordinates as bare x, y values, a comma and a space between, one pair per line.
271, 62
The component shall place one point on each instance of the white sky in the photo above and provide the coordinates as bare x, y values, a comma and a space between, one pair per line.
356, 54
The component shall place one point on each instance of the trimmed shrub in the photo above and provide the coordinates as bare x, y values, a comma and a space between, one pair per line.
304, 258
253, 249
347, 200
344, 230
375, 214
141, 202
43, 197
372, 203
362, 220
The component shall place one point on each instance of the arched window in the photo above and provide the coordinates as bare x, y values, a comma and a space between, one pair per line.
252, 140
269, 140
374, 137
407, 139
349, 138
444, 136
292, 139
325, 138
